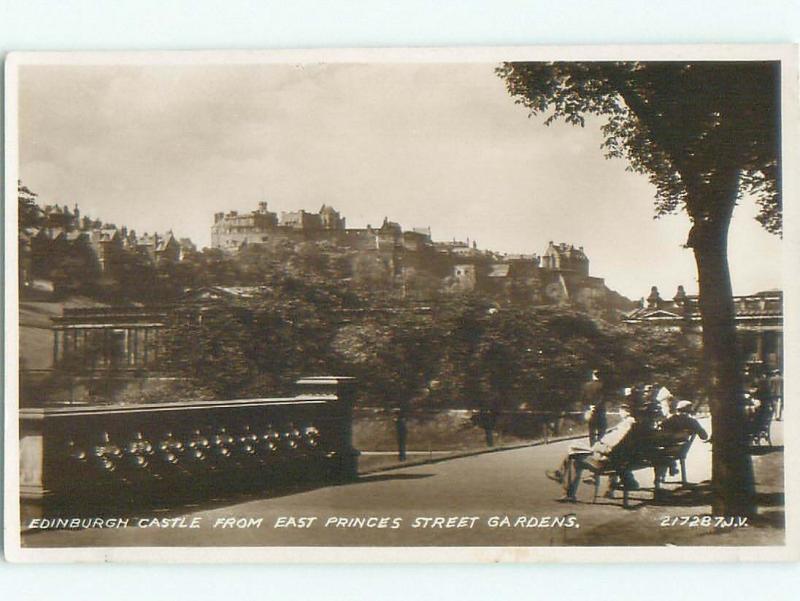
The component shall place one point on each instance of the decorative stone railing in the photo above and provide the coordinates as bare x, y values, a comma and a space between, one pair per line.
89, 458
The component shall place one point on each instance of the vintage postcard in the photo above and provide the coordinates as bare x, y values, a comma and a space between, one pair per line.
487, 304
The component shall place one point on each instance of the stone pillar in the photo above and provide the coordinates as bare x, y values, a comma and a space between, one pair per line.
32, 485
64, 344
56, 358
85, 356
339, 391
108, 349
760, 346
133, 336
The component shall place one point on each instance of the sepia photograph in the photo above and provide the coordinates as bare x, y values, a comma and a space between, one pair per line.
498, 304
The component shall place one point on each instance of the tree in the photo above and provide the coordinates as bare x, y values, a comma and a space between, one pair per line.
28, 212
704, 133
254, 345
394, 355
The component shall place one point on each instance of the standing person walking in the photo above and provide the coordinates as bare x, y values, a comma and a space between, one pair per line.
488, 421
592, 395
775, 384
402, 432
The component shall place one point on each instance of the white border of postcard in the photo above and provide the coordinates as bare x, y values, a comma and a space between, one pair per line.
791, 266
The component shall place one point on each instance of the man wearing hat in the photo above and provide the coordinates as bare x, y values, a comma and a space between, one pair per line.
592, 396
612, 443
682, 421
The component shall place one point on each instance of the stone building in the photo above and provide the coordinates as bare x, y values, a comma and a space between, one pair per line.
59, 239
465, 276
107, 246
560, 275
301, 220
330, 219
759, 321
566, 258
159, 248
389, 236
231, 230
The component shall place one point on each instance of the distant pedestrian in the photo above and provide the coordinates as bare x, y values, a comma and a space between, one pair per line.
402, 433
488, 421
775, 384
594, 401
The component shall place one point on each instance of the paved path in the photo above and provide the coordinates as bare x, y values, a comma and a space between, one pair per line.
493, 485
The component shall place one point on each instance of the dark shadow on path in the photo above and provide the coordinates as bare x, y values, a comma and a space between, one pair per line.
770, 519
758, 451
382, 477
691, 495
770, 499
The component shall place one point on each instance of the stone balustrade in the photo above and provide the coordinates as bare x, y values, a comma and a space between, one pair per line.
87, 458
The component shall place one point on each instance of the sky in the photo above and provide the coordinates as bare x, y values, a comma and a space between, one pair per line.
441, 145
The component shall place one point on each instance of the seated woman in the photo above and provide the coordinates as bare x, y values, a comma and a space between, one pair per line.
615, 444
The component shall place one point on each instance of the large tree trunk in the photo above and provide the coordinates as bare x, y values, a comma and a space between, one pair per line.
732, 470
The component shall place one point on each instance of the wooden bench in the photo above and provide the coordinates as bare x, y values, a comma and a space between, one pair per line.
657, 450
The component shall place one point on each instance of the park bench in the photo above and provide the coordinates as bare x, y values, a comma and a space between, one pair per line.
656, 450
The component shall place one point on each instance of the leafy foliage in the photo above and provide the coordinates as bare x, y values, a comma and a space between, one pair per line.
28, 212
247, 347
704, 133
684, 125
458, 352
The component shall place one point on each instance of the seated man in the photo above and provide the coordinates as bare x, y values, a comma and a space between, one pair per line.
682, 421
612, 444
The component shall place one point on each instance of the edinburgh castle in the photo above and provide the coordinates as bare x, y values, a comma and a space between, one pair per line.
560, 275
60, 248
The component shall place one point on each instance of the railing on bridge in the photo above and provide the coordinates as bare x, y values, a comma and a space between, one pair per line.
85, 458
